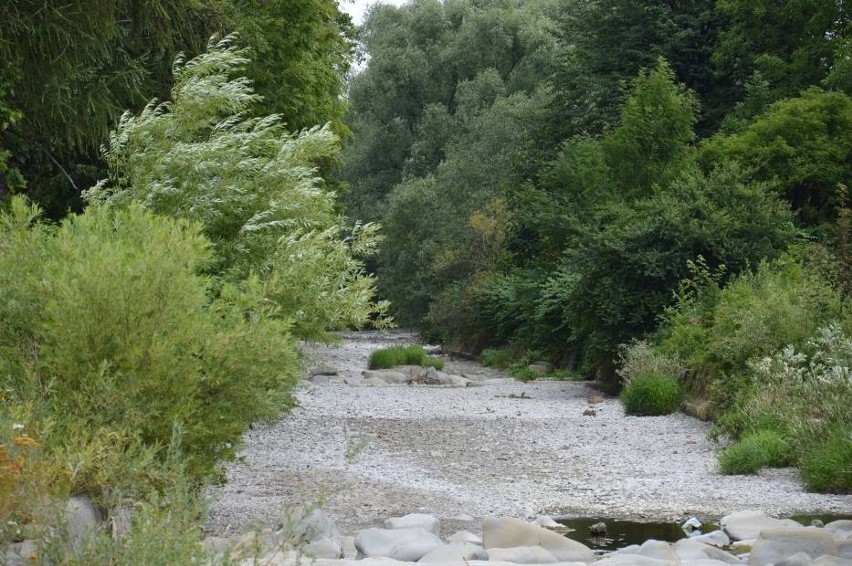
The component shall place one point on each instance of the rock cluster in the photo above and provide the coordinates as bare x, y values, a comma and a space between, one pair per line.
402, 375
747, 537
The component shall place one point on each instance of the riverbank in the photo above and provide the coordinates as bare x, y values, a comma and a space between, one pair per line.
499, 447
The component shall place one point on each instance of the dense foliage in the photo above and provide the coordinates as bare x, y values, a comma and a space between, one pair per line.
141, 337
558, 179
252, 185
70, 69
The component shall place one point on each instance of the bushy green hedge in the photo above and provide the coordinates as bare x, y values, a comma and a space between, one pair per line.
652, 394
403, 356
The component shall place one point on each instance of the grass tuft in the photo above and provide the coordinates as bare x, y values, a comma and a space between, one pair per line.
386, 358
826, 466
758, 450
652, 394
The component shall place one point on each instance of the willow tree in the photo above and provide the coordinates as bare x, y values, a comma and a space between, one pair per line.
254, 187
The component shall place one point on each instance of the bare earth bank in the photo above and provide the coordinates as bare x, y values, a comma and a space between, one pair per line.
499, 448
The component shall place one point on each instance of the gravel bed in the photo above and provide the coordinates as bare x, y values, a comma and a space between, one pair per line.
502, 447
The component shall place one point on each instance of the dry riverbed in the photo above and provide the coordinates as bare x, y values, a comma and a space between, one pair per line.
500, 447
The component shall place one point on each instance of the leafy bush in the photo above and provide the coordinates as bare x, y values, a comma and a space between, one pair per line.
403, 356
717, 332
762, 449
803, 395
639, 357
652, 394
110, 335
826, 464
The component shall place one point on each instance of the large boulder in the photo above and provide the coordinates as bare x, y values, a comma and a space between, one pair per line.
507, 532
743, 525
400, 544
414, 520
777, 544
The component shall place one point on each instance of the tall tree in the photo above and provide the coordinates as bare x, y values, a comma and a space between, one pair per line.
793, 45
74, 67
70, 69
604, 43
301, 52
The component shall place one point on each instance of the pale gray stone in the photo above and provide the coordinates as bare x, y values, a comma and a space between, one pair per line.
387, 376
844, 549
399, 544
375, 561
522, 555
453, 380
81, 521
466, 536
311, 530
546, 522
413, 520
322, 369
22, 553
747, 524
373, 382
827, 560
776, 544
798, 559
839, 525
455, 552
347, 544
507, 532
714, 538
705, 562
690, 549
631, 560
657, 550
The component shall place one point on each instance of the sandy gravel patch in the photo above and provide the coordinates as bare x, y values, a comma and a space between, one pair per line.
501, 447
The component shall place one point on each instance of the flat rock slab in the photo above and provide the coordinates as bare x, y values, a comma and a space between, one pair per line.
508, 532
744, 525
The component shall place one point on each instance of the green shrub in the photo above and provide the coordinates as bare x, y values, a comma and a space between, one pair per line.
762, 449
118, 342
434, 362
826, 465
652, 394
640, 357
500, 358
385, 358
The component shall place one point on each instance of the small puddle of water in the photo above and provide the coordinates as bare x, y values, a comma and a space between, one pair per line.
624, 533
